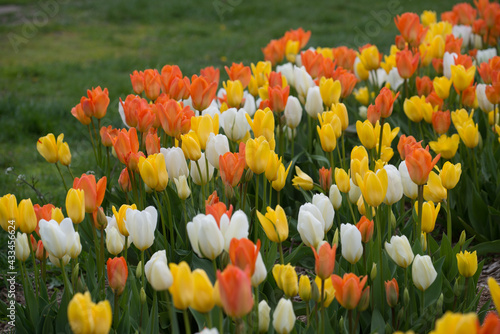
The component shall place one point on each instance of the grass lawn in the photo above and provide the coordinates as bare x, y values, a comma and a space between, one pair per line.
80, 44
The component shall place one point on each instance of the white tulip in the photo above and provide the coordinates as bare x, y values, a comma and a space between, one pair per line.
195, 172
303, 82
183, 190
141, 226
57, 262
260, 273
400, 251
464, 32
217, 145
394, 79
284, 317
350, 239
115, 241
237, 227
378, 77
354, 193
482, 100
311, 225
250, 106
448, 60
314, 102
57, 238
410, 188
75, 247
335, 197
175, 162
264, 316
288, 71
235, 123
209, 331
212, 110
326, 208
205, 236
22, 247
363, 112
157, 271
423, 272
394, 185
293, 112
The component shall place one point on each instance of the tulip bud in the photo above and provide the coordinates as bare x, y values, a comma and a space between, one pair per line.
284, 317
117, 274
350, 239
183, 190
75, 273
57, 215
75, 205
100, 219
423, 272
138, 270
336, 238
373, 272
124, 181
143, 296
335, 197
392, 292
462, 239
400, 251
305, 288
392, 220
264, 317
467, 263
364, 301
406, 297
315, 294
457, 288
439, 304
423, 241
22, 247
248, 175
341, 322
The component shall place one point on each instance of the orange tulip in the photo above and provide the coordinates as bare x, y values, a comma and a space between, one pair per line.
385, 102
407, 63
347, 81
274, 51
243, 254
365, 226
235, 289
325, 178
278, 97
175, 119
126, 146
42, 212
94, 192
152, 84
130, 107
145, 117
420, 163
124, 181
406, 141
179, 88
239, 72
231, 167
441, 121
325, 260
410, 28
79, 114
373, 113
202, 92
392, 292
298, 35
348, 289
137, 80
217, 209
312, 62
424, 86
152, 142
167, 76
210, 73
108, 134
117, 274
96, 103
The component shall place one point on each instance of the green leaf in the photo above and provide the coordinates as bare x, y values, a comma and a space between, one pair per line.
484, 248
378, 322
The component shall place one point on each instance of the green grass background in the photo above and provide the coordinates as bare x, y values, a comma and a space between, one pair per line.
90, 43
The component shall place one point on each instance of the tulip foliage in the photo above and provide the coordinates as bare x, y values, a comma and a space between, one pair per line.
192, 219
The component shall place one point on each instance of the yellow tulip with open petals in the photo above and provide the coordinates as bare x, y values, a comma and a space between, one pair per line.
434, 190
280, 181
461, 77
302, 180
330, 90
204, 126
262, 123
257, 152
182, 290
373, 187
274, 223
469, 133
154, 171
429, 216
446, 146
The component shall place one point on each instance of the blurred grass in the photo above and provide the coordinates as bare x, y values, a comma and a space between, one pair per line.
90, 43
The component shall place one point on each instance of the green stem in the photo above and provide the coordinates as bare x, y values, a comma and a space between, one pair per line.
293, 142
201, 185
103, 275
143, 271
160, 208
116, 311
170, 222
35, 268
264, 203
343, 151
381, 263
330, 155
310, 134
62, 178
256, 308
448, 216
208, 174
67, 286
186, 322
282, 259
476, 180
92, 141
380, 137
70, 172
255, 229
389, 227
322, 305
420, 204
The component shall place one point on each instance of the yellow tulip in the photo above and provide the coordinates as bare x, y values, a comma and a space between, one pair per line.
280, 181
327, 137
263, 92
434, 190
216, 294
292, 48
467, 263
204, 126
75, 205
191, 146
359, 163
120, 216
329, 290
495, 292
57, 215
373, 186
446, 146
63, 152
437, 47
326, 52
362, 208
427, 54
414, 108
302, 180
252, 87
274, 223
340, 110
26, 216
342, 180
389, 63
366, 134
361, 71
450, 174
47, 147
469, 133
442, 87
370, 58
85, 317
182, 290
428, 17
272, 167
362, 95
429, 215
261, 72
461, 116
330, 90
456, 323
461, 77
9, 212
441, 28
305, 288
388, 134
153, 171
262, 124
386, 155
286, 278
257, 154
234, 93
203, 294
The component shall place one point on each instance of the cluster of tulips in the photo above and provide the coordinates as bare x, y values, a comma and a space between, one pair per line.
231, 245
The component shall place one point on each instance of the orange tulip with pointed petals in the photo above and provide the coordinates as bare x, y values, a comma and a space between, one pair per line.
210, 73
407, 63
348, 289
441, 121
137, 80
94, 192
179, 88
410, 28
126, 146
96, 103
175, 119
385, 102
325, 260
274, 51
365, 226
403, 141
239, 72
420, 163
217, 209
117, 274
231, 168
235, 290
79, 114
202, 92
278, 97
243, 254
152, 84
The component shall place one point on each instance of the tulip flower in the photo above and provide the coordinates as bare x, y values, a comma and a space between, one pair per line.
57, 238
117, 274
274, 223
75, 246
325, 260
314, 103
183, 190
330, 91
373, 187
335, 197
235, 227
280, 181
191, 146
329, 291
394, 185
120, 217
257, 153
327, 137
94, 192
141, 226
434, 190
348, 289
457, 323
461, 77
175, 162
235, 291
442, 87
302, 180
157, 271
205, 236
293, 112
399, 250
86, 317
182, 288
446, 146
450, 174
63, 152
342, 180
423, 272
243, 254
235, 124
359, 163
286, 279
47, 147
392, 292
325, 207
370, 57
264, 318
469, 133
350, 239
284, 317
420, 163
203, 300
415, 108
9, 212
366, 134
75, 205
115, 241
305, 288
199, 170
272, 167
154, 171
26, 216
467, 263
22, 249
365, 227
407, 63
260, 272
311, 225
325, 178
202, 92
429, 215
495, 292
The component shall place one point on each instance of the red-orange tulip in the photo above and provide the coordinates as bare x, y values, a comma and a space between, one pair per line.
124, 181
231, 167
243, 254
126, 146
94, 192
275, 51
403, 142
152, 142
137, 80
278, 97
79, 114
325, 178
217, 209
202, 92
152, 84
365, 226
435, 100
385, 102
239, 72
410, 28
441, 121
325, 260
235, 290
348, 289
173, 116
312, 61
373, 114
424, 86
107, 135
117, 274
210, 73
179, 88
419, 163
96, 103
407, 63
392, 292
